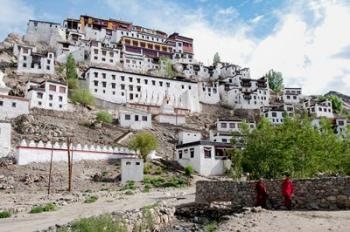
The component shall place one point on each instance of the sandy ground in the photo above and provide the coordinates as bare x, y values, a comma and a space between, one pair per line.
289, 221
32, 222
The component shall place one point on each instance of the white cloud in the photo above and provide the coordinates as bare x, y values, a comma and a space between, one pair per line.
14, 15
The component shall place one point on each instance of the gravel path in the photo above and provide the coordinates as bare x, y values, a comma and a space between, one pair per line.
32, 222
289, 221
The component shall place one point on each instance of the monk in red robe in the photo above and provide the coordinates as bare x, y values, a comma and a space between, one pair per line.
287, 192
261, 194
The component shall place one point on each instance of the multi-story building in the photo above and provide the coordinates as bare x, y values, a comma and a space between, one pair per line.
291, 95
245, 93
125, 87
101, 54
226, 129
275, 114
51, 95
319, 108
31, 61
182, 48
209, 92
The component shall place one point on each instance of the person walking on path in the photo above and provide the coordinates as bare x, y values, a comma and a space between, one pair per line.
287, 192
261, 193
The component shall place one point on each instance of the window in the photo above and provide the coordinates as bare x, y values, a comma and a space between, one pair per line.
131, 88
137, 163
122, 87
39, 103
128, 163
223, 125
104, 75
207, 152
50, 105
52, 88
167, 84
60, 106
127, 117
96, 83
95, 74
189, 87
131, 96
51, 97
113, 85
60, 98
24, 65
160, 83
274, 114
138, 80
14, 104
113, 77
39, 95
136, 117
180, 154
122, 78
130, 79
1, 103
146, 81
192, 152
139, 88
232, 125
62, 89
104, 84
144, 118
224, 140
153, 82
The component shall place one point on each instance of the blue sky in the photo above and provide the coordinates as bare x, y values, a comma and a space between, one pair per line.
306, 40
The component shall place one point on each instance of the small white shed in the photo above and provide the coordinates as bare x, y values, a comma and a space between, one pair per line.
131, 169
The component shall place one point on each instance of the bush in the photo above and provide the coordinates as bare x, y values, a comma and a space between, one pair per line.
147, 169
43, 208
188, 170
73, 83
211, 227
129, 192
158, 171
130, 185
146, 188
144, 142
83, 96
91, 199
105, 223
5, 214
104, 116
161, 182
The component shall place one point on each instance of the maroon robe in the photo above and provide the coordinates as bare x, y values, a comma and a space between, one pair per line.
261, 194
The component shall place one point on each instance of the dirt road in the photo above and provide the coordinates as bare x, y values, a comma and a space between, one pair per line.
289, 221
32, 222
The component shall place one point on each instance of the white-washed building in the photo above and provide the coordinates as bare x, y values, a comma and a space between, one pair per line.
168, 115
275, 115
245, 93
125, 87
51, 95
5, 138
209, 92
341, 125
206, 158
226, 129
189, 136
131, 170
319, 108
31, 61
100, 54
135, 119
292, 95
63, 49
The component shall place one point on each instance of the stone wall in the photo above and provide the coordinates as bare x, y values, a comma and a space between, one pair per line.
325, 193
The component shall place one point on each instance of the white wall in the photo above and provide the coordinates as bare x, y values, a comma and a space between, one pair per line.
25, 62
5, 138
47, 32
209, 94
40, 152
275, 117
11, 107
189, 136
101, 55
131, 169
171, 119
134, 120
122, 87
291, 95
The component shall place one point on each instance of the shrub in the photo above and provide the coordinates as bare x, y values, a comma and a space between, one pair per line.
73, 83
43, 208
105, 223
129, 192
144, 142
83, 96
147, 169
188, 170
91, 199
158, 171
104, 116
211, 227
5, 214
146, 188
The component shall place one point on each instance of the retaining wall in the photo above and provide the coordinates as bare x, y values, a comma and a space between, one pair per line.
324, 193
29, 152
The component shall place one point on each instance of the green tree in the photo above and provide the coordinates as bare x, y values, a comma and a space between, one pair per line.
83, 96
144, 142
71, 72
337, 104
216, 59
275, 80
168, 67
104, 116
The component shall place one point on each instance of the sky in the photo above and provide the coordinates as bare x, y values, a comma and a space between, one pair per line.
307, 40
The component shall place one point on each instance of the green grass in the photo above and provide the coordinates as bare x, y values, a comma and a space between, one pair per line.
5, 214
43, 208
104, 223
130, 185
146, 188
211, 227
91, 199
161, 182
188, 170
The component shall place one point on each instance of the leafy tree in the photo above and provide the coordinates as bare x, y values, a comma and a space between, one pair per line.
275, 80
168, 67
337, 104
83, 96
216, 59
295, 147
104, 116
144, 142
71, 72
